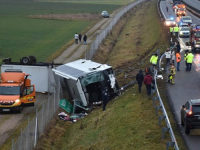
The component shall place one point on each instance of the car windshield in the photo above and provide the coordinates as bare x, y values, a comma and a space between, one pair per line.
196, 109
186, 18
185, 29
9, 90
198, 34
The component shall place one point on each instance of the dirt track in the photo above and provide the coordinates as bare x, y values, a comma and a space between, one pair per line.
10, 121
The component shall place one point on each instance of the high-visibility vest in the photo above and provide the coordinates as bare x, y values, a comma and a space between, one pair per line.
178, 57
185, 55
154, 59
189, 58
171, 29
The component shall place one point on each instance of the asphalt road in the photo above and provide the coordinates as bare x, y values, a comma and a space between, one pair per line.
193, 3
187, 84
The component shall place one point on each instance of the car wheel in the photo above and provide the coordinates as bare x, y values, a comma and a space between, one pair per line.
32, 104
33, 59
187, 130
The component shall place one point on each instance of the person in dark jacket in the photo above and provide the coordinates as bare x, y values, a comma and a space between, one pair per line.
79, 36
178, 47
85, 39
105, 98
140, 78
147, 81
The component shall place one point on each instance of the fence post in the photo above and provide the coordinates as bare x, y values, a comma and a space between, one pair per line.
35, 141
54, 99
43, 116
28, 133
164, 129
21, 139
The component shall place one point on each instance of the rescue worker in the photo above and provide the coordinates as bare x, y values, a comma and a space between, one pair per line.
171, 30
189, 58
185, 55
140, 78
178, 59
176, 29
168, 56
172, 73
154, 59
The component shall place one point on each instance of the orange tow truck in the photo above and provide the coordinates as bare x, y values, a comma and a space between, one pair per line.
15, 90
180, 10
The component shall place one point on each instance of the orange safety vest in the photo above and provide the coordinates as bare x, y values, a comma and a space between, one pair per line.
178, 57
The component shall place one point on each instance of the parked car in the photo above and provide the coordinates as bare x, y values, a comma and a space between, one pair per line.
184, 32
170, 22
186, 19
105, 14
190, 115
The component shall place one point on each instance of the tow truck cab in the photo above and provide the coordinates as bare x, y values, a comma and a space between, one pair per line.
195, 37
15, 90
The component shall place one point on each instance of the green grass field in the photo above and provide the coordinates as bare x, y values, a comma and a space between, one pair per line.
23, 36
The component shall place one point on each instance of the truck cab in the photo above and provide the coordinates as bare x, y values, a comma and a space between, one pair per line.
195, 37
15, 91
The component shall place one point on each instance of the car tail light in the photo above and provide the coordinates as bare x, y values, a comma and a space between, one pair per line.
190, 112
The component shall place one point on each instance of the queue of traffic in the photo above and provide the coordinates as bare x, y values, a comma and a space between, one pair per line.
185, 27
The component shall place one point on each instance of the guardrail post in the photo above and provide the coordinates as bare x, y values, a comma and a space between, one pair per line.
12, 144
158, 107
164, 129
160, 119
155, 99
169, 144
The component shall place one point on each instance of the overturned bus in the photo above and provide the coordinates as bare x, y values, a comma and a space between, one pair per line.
85, 80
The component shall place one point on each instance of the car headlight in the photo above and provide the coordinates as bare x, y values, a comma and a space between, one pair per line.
167, 23
174, 22
181, 32
16, 101
197, 46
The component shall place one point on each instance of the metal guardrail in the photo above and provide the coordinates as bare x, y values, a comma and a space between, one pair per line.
161, 105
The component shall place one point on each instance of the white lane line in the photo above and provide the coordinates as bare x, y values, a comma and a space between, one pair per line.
162, 11
193, 15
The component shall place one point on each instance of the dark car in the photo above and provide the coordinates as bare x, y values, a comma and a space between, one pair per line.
190, 115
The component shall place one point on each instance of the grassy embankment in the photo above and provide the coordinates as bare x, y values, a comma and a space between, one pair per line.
129, 121
45, 39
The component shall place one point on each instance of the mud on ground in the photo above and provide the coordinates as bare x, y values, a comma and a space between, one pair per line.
84, 17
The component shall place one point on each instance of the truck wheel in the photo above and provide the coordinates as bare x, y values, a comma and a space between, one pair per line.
20, 109
26, 60
33, 59
32, 104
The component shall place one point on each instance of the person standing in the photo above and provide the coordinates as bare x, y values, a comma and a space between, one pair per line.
189, 58
140, 78
154, 59
76, 38
178, 47
185, 55
171, 74
178, 59
79, 36
105, 98
171, 29
173, 56
147, 81
168, 56
85, 39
